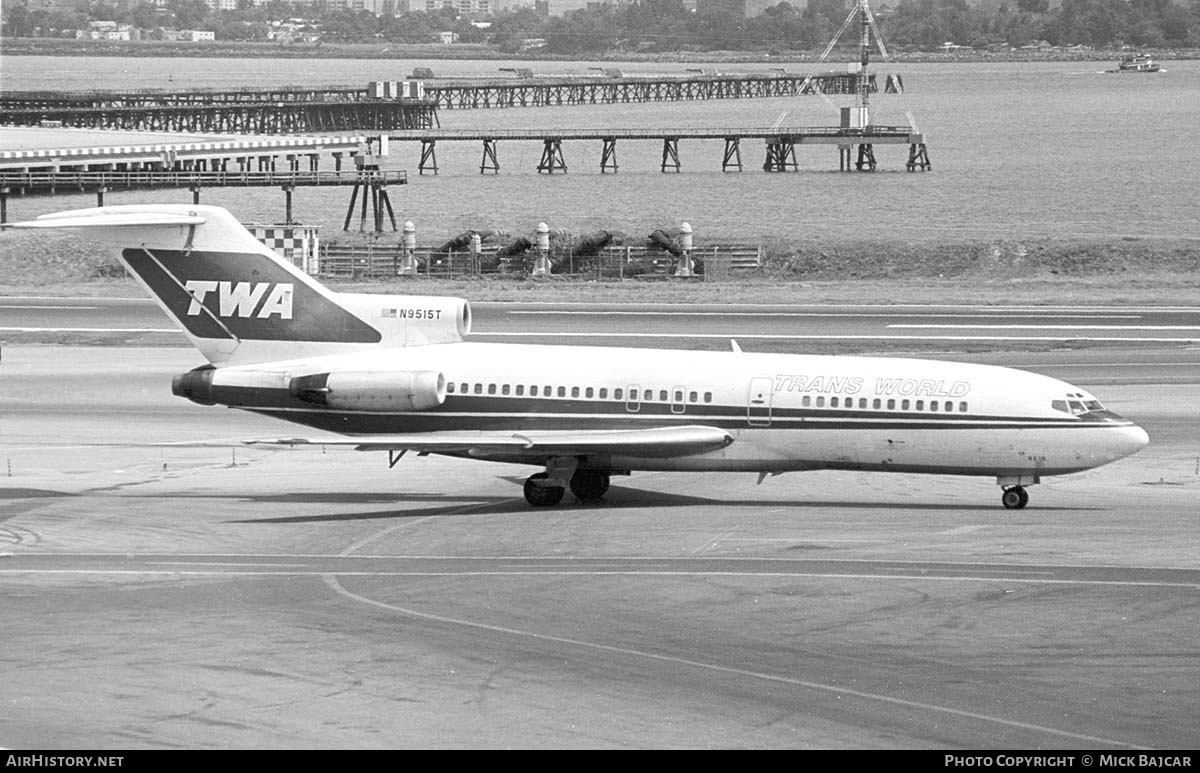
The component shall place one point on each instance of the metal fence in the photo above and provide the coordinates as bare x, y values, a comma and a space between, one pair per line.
377, 261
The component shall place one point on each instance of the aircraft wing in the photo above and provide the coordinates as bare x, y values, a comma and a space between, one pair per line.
656, 442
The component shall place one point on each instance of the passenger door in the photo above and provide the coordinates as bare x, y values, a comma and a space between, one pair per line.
758, 401
633, 399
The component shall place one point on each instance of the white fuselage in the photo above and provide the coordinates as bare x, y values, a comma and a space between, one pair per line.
785, 412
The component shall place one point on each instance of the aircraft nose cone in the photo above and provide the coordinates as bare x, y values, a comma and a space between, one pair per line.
1132, 439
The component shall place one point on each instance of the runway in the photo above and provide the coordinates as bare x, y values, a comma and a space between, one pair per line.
168, 596
773, 327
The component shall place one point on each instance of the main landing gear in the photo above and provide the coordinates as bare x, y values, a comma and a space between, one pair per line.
1015, 497
587, 485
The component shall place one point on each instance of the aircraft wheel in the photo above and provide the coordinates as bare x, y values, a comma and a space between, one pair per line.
1015, 498
589, 485
542, 496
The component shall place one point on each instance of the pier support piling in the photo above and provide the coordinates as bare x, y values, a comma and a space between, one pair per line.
608, 156
733, 154
866, 158
552, 156
781, 155
428, 156
373, 184
918, 158
489, 162
670, 153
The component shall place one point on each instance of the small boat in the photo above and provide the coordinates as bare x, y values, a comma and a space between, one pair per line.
1137, 63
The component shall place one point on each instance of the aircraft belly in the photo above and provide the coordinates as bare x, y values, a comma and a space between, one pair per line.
1049, 451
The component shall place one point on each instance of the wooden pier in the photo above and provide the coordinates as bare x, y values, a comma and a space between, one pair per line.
372, 183
779, 143
50, 183
555, 91
258, 117
59, 161
301, 109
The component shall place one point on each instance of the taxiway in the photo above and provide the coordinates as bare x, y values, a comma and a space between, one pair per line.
160, 595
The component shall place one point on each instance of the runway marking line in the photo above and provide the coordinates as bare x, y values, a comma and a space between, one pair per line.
90, 330
50, 308
332, 582
882, 306
685, 336
598, 573
457, 557
905, 325
648, 313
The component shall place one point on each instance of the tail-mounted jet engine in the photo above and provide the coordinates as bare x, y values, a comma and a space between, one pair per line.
372, 390
385, 390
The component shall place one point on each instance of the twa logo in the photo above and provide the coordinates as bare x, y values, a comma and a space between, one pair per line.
242, 299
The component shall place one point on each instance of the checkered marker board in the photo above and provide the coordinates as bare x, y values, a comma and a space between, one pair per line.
295, 243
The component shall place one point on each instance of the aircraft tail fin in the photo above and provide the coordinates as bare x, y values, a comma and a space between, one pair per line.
237, 300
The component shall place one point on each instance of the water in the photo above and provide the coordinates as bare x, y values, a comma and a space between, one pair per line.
1019, 151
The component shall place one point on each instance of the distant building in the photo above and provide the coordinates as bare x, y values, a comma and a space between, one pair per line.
377, 7
595, 5
563, 7
744, 9
464, 7
195, 36
49, 5
294, 31
107, 30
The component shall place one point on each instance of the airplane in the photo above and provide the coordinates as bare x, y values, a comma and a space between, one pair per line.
394, 373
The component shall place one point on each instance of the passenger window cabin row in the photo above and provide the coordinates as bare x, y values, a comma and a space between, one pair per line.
880, 404
586, 393
693, 397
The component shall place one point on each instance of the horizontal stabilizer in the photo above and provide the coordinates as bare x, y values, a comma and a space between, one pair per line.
101, 218
659, 442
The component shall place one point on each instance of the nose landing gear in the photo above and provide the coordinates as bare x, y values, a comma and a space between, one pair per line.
1015, 496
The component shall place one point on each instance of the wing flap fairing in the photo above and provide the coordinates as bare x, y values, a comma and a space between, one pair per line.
656, 442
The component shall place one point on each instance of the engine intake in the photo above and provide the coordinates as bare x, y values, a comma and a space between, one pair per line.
384, 390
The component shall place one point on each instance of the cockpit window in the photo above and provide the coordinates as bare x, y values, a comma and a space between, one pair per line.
1076, 406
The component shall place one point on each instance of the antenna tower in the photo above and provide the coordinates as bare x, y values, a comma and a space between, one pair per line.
866, 21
